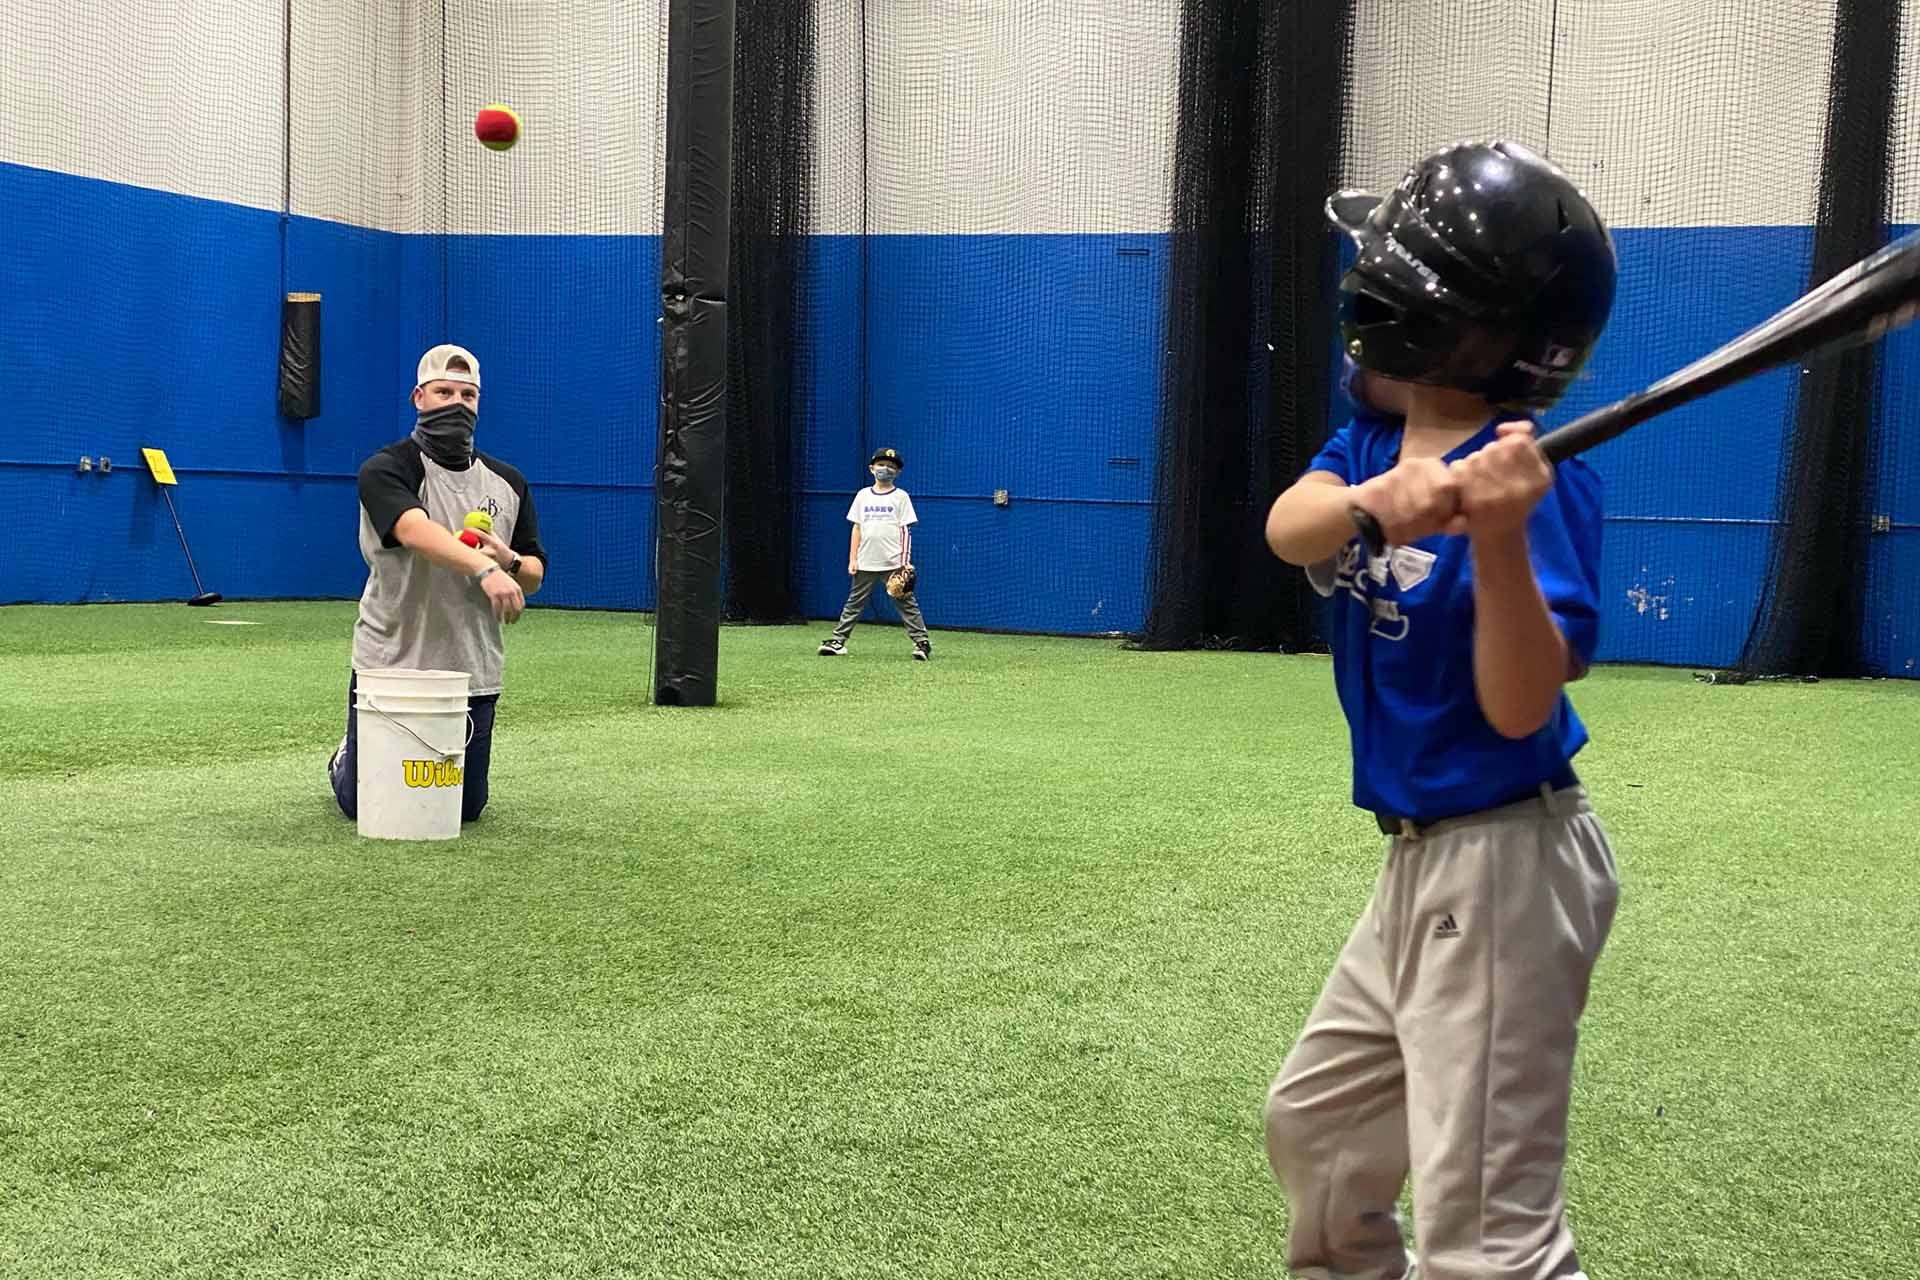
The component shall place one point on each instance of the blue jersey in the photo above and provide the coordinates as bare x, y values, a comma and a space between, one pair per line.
1403, 644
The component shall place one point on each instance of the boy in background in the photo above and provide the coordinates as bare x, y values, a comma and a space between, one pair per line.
881, 550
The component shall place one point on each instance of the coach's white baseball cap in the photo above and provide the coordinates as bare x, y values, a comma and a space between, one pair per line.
433, 366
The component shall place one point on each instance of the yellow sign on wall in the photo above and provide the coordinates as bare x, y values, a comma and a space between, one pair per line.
157, 463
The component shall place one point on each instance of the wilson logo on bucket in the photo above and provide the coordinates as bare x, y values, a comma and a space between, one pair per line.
432, 773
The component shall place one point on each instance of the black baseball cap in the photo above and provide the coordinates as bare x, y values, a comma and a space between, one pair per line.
889, 456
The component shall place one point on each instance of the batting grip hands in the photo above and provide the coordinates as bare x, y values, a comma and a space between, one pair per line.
1488, 494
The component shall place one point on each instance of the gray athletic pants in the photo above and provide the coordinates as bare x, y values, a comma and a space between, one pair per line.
1442, 1046
863, 584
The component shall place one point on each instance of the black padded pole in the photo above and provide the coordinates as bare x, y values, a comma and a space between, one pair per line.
690, 473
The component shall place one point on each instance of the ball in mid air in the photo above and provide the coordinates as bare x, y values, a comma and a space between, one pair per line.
497, 127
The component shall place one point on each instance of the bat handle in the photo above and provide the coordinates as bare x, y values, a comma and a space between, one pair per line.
1370, 531
1556, 447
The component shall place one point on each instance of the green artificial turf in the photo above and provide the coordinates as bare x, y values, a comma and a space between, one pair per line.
977, 968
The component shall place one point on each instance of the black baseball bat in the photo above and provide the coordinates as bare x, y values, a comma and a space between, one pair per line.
1872, 298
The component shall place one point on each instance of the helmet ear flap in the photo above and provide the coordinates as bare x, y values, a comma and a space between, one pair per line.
1370, 309
1430, 332
1415, 328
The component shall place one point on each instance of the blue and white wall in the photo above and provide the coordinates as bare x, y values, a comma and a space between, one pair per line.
1696, 128
161, 198
140, 193
1018, 159
1893, 586
1017, 200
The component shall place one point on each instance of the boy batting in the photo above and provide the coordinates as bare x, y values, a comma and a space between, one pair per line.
1442, 1044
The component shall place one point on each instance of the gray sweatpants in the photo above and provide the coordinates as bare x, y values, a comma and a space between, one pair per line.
863, 584
1442, 1045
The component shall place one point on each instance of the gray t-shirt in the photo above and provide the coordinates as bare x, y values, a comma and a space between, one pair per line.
414, 613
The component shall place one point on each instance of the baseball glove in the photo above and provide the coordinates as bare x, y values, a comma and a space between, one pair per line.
900, 582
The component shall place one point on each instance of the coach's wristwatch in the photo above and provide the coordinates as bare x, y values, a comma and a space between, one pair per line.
513, 569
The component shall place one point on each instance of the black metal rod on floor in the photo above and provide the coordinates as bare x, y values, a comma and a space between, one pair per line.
168, 495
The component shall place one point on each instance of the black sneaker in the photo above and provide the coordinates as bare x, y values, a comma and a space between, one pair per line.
922, 650
833, 648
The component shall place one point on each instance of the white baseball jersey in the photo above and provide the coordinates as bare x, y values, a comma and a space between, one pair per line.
883, 519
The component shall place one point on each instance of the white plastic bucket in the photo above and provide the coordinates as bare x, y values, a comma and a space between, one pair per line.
413, 730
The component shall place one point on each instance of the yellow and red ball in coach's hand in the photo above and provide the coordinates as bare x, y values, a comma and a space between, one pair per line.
476, 520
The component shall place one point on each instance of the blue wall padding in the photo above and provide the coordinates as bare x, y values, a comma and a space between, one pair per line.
1025, 363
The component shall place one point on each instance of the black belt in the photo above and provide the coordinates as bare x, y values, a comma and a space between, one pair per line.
1395, 825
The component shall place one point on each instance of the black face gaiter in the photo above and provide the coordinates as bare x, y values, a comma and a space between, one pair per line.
446, 435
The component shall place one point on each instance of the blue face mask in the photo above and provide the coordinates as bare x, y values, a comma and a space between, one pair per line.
884, 475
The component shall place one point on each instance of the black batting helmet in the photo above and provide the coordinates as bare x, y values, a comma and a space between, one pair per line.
1486, 269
